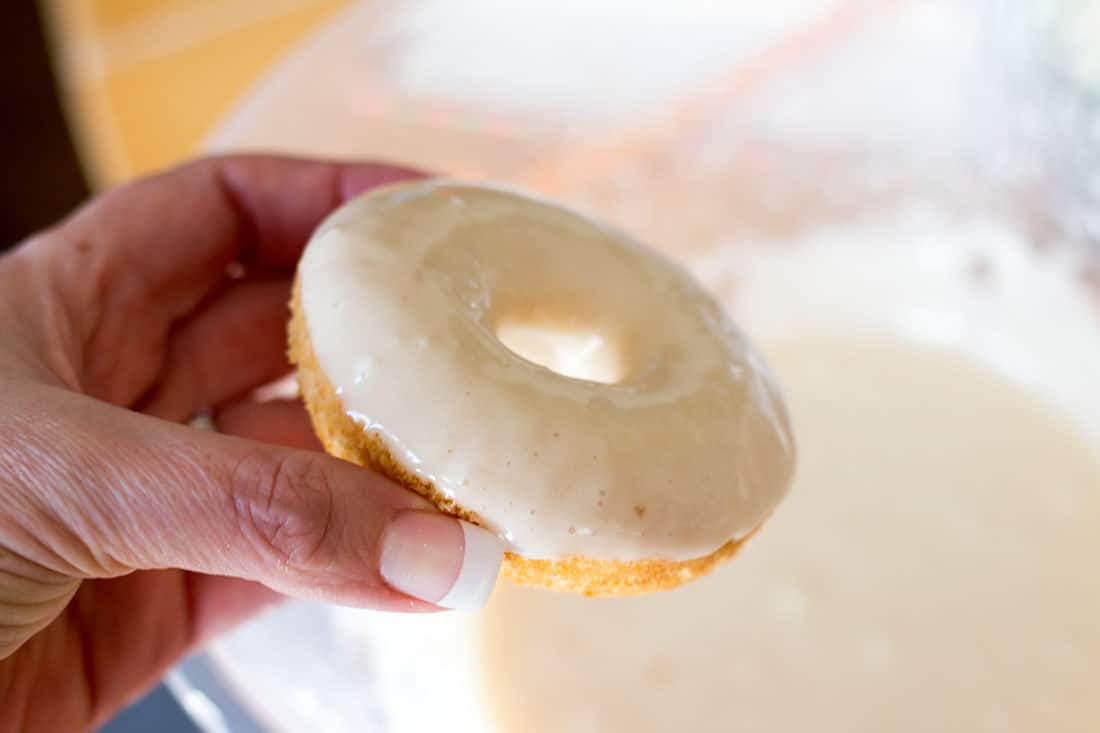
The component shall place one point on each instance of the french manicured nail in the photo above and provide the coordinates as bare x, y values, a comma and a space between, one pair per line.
440, 559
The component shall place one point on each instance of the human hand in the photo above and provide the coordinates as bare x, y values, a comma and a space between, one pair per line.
126, 538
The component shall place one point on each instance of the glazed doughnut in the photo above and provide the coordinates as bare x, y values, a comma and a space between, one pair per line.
638, 439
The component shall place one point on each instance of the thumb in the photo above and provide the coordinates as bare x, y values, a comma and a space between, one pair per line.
125, 491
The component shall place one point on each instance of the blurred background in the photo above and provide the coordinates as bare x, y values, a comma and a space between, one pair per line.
581, 99
42, 176
99, 91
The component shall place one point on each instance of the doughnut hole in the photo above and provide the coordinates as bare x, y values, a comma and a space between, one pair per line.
571, 350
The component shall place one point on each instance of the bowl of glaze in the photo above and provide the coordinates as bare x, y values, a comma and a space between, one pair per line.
895, 201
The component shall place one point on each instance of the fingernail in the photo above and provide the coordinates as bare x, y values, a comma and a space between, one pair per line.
440, 559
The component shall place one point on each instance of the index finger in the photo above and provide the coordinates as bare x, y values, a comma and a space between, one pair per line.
275, 202
164, 241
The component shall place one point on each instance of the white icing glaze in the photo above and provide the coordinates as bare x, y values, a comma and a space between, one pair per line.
404, 290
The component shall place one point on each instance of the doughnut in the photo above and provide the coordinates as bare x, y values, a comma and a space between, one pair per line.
542, 375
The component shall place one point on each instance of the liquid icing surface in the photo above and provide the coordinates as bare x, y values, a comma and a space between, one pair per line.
405, 291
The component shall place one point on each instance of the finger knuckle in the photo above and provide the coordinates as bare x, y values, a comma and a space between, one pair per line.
284, 505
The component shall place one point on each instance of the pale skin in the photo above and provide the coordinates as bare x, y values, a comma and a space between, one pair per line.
126, 537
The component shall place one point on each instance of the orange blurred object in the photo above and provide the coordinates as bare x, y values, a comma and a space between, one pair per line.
144, 80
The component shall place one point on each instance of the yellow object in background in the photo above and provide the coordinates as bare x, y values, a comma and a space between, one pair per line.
143, 81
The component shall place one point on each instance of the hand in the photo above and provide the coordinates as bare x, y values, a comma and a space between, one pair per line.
127, 538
